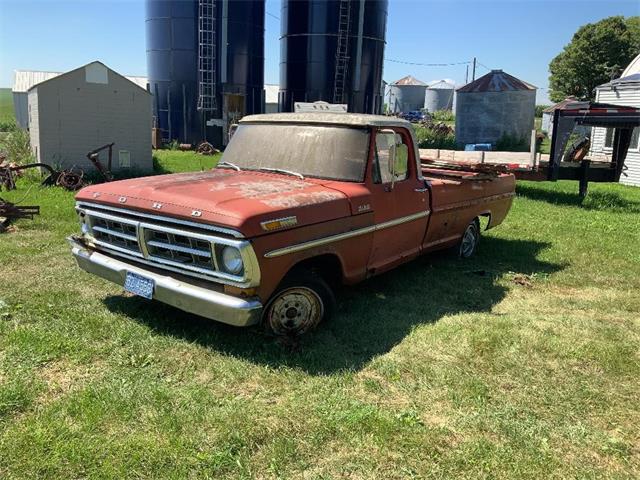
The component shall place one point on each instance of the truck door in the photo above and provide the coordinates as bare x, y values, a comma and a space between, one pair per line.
400, 200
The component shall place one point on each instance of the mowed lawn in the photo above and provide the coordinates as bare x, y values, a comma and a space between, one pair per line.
521, 363
6, 105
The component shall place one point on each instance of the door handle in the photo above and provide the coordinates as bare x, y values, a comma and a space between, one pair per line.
420, 190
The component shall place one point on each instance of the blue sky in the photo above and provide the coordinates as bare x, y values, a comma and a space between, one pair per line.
519, 36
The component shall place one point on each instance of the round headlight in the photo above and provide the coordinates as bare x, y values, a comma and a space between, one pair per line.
232, 260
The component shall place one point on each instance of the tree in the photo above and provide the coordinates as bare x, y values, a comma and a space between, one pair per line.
597, 53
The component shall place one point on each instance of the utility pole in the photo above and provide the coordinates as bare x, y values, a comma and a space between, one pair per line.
466, 75
473, 75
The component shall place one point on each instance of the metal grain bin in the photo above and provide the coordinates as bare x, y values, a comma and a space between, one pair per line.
205, 62
332, 51
406, 95
439, 95
494, 105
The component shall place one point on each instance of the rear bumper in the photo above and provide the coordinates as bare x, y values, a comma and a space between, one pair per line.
183, 295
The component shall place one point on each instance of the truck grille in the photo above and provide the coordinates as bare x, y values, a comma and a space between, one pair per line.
165, 244
181, 249
118, 233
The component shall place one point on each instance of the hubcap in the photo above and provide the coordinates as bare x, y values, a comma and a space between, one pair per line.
294, 311
468, 242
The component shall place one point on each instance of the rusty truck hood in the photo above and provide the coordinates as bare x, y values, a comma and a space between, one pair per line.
238, 200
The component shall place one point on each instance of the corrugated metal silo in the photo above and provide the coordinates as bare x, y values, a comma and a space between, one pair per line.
492, 106
439, 95
332, 50
406, 95
205, 62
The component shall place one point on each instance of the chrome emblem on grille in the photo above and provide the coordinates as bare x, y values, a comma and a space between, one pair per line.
196, 213
122, 199
156, 205
96, 194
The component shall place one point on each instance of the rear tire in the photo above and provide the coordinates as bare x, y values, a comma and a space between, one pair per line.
470, 239
302, 301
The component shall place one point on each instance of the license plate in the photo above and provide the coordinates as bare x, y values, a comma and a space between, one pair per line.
139, 285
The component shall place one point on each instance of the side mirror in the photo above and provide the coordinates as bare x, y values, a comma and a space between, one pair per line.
387, 138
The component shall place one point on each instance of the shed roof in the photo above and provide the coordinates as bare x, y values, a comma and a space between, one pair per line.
631, 81
23, 80
409, 80
561, 104
350, 119
496, 81
271, 93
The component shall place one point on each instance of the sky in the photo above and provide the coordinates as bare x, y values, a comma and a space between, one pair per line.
518, 36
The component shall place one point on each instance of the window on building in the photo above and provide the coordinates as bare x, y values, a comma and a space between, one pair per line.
635, 138
124, 159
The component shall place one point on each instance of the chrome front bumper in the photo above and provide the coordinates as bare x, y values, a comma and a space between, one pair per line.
185, 296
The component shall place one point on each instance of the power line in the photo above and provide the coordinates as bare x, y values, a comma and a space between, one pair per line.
427, 64
272, 15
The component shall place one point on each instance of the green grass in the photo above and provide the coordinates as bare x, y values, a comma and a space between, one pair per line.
6, 105
521, 363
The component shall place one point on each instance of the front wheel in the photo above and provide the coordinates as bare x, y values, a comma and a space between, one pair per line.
299, 305
470, 239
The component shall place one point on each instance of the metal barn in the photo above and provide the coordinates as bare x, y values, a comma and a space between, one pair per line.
86, 108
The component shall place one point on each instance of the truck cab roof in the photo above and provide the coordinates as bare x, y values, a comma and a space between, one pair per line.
328, 118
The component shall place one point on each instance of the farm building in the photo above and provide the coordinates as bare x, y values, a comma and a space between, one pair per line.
495, 105
406, 95
622, 91
86, 108
547, 115
271, 98
23, 80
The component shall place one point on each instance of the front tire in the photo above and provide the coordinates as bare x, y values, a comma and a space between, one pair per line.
301, 302
470, 239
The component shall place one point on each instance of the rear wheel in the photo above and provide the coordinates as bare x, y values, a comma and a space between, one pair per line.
299, 305
470, 239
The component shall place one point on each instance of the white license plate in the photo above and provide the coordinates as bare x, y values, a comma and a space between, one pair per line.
139, 285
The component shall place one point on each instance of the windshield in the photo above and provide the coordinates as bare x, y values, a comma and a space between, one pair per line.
336, 153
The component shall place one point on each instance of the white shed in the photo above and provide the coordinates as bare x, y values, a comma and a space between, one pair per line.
23, 80
86, 108
622, 91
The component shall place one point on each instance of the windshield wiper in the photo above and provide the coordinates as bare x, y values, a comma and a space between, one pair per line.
229, 164
280, 170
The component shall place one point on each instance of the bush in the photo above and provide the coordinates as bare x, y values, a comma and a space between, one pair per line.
430, 138
511, 143
16, 147
540, 109
443, 116
8, 125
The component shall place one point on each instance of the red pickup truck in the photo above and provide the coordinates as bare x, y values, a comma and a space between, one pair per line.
299, 202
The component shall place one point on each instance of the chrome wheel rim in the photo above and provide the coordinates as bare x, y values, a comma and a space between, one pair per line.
294, 311
468, 242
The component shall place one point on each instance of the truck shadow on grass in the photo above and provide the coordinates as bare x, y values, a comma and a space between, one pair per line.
371, 317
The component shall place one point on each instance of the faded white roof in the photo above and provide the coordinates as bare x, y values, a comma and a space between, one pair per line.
633, 67
355, 119
23, 80
271, 93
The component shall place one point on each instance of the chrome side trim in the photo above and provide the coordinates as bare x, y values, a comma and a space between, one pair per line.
343, 236
163, 219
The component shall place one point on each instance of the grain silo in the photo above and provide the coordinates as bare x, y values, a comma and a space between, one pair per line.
439, 95
205, 61
406, 95
494, 105
332, 51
